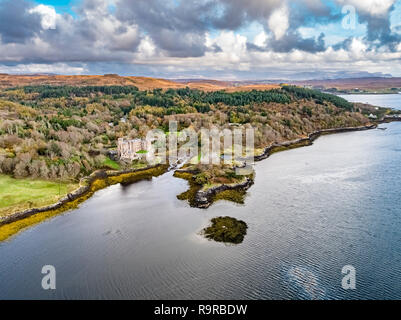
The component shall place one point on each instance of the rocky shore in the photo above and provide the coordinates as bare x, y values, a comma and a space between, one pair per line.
204, 199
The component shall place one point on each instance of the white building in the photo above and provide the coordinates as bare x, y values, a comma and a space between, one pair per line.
128, 149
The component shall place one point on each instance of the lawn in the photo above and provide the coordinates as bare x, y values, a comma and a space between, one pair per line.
111, 164
21, 194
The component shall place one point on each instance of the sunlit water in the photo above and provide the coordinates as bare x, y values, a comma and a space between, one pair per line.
311, 211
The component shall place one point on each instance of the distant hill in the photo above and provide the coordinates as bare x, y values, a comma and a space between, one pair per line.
367, 84
362, 84
109, 79
143, 83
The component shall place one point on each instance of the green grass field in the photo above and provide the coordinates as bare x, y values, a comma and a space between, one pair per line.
111, 164
21, 194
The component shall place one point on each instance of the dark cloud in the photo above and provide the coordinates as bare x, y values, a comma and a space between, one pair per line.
309, 13
294, 40
379, 31
16, 23
253, 47
237, 13
178, 29
345, 44
301, 13
290, 42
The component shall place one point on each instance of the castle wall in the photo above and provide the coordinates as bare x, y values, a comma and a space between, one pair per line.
127, 149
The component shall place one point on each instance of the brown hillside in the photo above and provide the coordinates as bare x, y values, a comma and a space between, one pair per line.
143, 83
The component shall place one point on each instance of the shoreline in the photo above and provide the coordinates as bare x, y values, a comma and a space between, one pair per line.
13, 223
364, 93
204, 199
308, 141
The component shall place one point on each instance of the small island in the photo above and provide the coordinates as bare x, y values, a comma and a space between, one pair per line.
227, 230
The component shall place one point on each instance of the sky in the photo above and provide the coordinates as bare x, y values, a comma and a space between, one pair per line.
219, 39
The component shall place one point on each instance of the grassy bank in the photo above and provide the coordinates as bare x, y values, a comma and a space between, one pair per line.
21, 194
8, 230
190, 194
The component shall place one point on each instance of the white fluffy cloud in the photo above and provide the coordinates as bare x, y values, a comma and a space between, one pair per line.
60, 68
48, 15
372, 7
279, 22
146, 49
260, 39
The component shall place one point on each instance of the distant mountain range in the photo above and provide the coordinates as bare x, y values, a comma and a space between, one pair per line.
361, 84
355, 84
368, 84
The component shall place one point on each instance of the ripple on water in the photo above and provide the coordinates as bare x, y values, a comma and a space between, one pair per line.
305, 223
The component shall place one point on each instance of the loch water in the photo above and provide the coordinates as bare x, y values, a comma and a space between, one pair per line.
311, 211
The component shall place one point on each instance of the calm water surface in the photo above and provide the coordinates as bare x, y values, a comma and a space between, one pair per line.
381, 100
311, 211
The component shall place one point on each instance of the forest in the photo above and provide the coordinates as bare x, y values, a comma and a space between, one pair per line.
66, 132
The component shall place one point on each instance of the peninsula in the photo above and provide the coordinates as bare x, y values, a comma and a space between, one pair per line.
59, 134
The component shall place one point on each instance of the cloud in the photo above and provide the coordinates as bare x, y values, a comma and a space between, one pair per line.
237, 13
48, 15
278, 22
370, 7
178, 29
376, 14
294, 40
61, 68
94, 35
260, 39
17, 23
196, 36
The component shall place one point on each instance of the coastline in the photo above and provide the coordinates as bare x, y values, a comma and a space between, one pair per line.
204, 199
363, 93
13, 223
277, 147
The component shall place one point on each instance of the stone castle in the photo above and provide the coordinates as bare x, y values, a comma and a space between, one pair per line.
128, 149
